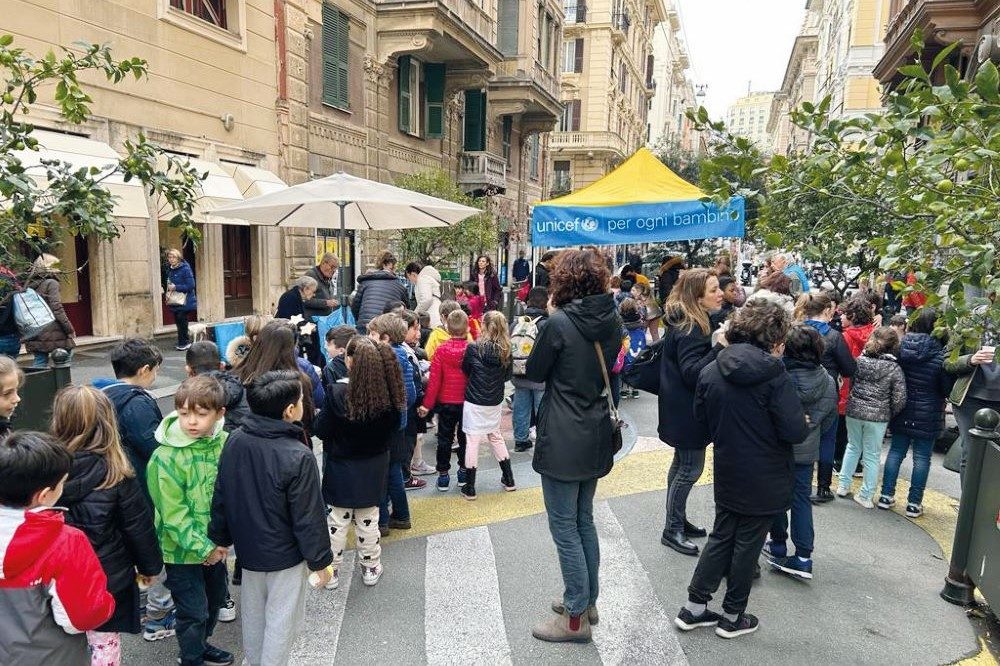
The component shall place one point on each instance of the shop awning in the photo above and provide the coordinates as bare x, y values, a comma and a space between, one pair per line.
83, 152
642, 201
218, 189
254, 181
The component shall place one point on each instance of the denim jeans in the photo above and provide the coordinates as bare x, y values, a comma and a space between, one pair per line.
570, 509
827, 452
199, 592
802, 516
396, 493
10, 345
684, 472
525, 400
864, 440
42, 359
922, 448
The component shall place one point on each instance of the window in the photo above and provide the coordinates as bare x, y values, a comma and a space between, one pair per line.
507, 130
213, 11
570, 121
534, 148
575, 10
421, 97
573, 56
561, 179
546, 41
622, 76
475, 121
336, 47
507, 30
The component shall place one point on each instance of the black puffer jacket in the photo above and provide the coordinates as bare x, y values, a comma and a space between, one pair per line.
818, 394
746, 402
486, 374
921, 356
837, 357
685, 354
878, 391
574, 424
118, 521
237, 408
375, 291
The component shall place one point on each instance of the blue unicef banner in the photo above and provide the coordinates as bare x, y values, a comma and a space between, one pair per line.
558, 226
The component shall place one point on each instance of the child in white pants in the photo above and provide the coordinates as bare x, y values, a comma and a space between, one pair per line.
487, 366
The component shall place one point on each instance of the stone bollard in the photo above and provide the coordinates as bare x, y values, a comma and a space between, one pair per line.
958, 587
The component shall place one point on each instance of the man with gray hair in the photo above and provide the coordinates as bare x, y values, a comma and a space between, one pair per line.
785, 262
322, 303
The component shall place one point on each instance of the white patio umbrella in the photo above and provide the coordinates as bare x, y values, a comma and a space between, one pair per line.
347, 202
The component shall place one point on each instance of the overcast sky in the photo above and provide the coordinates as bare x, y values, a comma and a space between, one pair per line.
733, 42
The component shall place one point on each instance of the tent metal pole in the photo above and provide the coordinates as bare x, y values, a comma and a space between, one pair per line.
343, 265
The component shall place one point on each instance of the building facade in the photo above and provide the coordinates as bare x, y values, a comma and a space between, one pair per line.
797, 86
674, 93
210, 97
606, 58
748, 116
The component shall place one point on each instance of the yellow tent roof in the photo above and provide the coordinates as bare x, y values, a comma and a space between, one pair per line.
641, 178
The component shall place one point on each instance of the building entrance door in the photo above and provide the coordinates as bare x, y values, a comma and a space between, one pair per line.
236, 286
75, 284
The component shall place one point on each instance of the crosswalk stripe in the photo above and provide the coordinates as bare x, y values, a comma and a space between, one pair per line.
633, 627
318, 646
463, 620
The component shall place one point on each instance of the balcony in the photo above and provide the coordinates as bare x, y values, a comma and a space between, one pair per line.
575, 13
458, 31
482, 174
522, 86
589, 143
621, 23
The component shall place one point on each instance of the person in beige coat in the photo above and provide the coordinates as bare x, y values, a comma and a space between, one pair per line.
44, 279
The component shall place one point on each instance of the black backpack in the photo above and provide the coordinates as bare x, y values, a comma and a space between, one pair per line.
644, 373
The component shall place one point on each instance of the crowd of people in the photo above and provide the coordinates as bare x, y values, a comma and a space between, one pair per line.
788, 383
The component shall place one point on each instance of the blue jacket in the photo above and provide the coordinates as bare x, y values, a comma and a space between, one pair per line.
408, 383
927, 385
798, 272
636, 342
183, 280
138, 418
307, 368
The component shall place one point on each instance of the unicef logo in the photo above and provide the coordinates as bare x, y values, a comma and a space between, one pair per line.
588, 224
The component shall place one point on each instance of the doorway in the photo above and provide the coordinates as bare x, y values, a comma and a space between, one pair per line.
75, 284
237, 285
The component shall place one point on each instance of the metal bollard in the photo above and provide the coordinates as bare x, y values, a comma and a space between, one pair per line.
958, 587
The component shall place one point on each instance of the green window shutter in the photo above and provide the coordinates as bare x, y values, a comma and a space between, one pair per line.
475, 120
508, 129
507, 33
343, 57
331, 73
434, 108
403, 76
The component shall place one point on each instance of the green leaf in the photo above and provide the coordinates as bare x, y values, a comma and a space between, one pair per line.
952, 78
940, 57
6, 40
914, 72
917, 40
988, 81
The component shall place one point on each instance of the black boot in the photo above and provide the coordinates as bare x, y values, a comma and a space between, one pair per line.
824, 477
507, 475
469, 489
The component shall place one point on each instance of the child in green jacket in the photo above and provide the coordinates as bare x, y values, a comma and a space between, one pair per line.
181, 479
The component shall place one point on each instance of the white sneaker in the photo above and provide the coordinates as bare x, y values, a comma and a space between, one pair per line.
842, 491
867, 503
422, 469
228, 612
371, 575
532, 433
334, 580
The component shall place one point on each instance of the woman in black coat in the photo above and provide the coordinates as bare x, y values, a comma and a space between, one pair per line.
818, 310
687, 349
574, 445
105, 501
292, 301
489, 283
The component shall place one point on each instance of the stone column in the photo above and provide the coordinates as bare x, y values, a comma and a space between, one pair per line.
209, 274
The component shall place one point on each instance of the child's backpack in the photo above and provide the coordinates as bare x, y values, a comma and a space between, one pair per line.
522, 341
31, 313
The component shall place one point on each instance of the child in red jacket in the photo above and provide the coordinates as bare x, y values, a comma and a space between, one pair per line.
52, 587
446, 395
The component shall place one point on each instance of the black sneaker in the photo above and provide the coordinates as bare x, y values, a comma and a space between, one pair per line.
521, 447
686, 620
744, 624
213, 656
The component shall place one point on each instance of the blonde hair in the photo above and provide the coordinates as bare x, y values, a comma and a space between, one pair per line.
175, 252
682, 306
253, 325
495, 332
390, 325
83, 419
9, 366
458, 323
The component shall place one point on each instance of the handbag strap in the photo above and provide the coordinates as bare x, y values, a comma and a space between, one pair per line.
607, 381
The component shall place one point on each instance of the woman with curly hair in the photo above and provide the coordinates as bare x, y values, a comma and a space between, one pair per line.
748, 405
574, 444
687, 349
356, 425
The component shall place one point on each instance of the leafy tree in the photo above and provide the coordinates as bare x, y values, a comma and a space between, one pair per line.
74, 200
917, 184
682, 162
446, 244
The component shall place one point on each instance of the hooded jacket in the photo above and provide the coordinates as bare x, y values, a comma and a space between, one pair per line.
837, 357
921, 356
486, 374
574, 423
375, 291
817, 392
267, 499
138, 418
237, 407
878, 391
118, 521
685, 354
59, 334
855, 338
447, 381
181, 478
747, 403
183, 280
428, 294
52, 589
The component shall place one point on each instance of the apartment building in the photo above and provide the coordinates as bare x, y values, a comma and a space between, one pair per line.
674, 92
606, 58
748, 116
797, 86
209, 96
